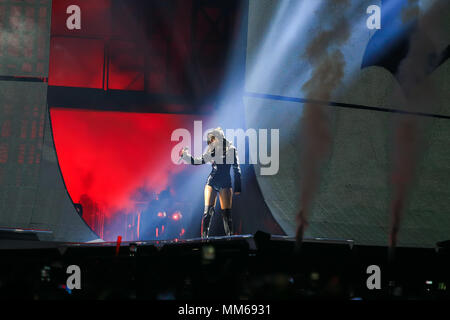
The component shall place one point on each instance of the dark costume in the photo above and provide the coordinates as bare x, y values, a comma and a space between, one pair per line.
218, 179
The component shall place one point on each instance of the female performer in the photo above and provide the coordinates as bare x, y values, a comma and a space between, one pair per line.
222, 155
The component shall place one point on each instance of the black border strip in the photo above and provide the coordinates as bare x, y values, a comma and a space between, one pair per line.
342, 105
23, 79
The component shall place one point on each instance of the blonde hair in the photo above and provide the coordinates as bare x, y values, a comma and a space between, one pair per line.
220, 136
217, 133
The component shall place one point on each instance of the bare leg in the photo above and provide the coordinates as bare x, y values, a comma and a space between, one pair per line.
210, 196
210, 203
226, 199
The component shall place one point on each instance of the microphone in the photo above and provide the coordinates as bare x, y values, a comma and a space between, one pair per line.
181, 156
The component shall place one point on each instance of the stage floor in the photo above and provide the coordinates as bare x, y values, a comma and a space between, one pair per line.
12, 244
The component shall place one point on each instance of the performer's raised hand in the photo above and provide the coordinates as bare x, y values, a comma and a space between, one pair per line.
183, 151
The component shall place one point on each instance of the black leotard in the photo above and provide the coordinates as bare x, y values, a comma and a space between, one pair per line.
220, 177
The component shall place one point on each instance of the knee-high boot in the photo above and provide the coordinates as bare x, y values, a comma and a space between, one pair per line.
227, 222
206, 220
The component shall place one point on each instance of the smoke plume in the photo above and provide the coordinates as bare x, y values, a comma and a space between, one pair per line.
328, 64
413, 70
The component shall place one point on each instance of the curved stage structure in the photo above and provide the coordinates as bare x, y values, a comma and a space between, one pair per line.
32, 191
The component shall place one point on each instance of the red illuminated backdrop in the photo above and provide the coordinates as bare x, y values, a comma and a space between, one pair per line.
108, 156
175, 47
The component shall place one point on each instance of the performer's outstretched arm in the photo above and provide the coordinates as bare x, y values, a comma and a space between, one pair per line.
186, 156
